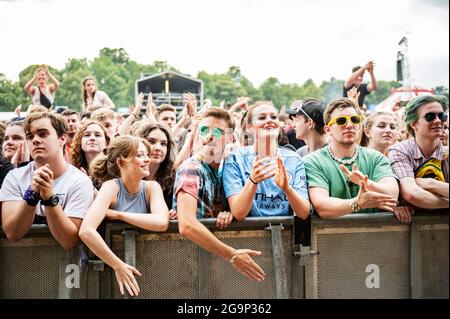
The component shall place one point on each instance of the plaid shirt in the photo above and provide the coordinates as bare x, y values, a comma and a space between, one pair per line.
406, 157
204, 184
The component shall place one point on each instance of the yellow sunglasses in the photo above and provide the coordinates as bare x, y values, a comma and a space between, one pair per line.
342, 120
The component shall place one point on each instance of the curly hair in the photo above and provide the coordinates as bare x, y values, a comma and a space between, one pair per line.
166, 172
77, 156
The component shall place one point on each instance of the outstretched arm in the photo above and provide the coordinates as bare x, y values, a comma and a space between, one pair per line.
124, 128
89, 235
195, 231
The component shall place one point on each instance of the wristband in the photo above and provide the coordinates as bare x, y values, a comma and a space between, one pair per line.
251, 180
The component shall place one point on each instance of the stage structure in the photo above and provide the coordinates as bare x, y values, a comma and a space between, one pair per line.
168, 87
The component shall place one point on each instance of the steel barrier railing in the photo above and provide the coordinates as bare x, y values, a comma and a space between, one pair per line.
355, 256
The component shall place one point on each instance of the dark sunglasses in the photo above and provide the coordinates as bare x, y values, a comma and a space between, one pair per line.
216, 132
342, 120
431, 116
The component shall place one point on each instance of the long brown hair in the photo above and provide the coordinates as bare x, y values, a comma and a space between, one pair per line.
105, 167
166, 172
85, 95
77, 155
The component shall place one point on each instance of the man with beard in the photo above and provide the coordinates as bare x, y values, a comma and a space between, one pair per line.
421, 162
343, 177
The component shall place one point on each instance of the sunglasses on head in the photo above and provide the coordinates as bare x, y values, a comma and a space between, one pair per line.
431, 116
342, 120
216, 132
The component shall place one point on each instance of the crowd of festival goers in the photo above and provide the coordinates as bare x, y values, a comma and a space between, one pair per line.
72, 170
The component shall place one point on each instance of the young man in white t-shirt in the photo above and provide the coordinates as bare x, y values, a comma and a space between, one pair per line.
48, 186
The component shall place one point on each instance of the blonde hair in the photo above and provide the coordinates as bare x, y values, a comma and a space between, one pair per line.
164, 108
36, 109
341, 103
106, 167
103, 113
370, 120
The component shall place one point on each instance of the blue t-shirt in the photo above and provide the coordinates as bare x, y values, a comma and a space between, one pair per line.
269, 199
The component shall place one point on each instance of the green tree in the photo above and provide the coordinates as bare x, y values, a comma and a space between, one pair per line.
269, 90
10, 94
70, 91
331, 90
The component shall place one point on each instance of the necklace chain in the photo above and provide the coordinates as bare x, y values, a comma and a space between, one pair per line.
341, 161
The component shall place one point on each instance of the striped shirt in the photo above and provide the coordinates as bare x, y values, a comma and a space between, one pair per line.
406, 157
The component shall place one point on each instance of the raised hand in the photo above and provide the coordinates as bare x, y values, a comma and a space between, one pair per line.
137, 109
370, 199
263, 169
355, 176
207, 103
281, 178
18, 109
243, 263
43, 178
243, 102
353, 94
370, 66
190, 104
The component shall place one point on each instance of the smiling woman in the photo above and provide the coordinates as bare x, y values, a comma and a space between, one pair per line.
264, 179
126, 197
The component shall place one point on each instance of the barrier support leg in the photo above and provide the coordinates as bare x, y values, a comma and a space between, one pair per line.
130, 252
279, 262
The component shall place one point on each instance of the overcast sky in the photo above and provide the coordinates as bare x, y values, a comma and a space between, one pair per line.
292, 40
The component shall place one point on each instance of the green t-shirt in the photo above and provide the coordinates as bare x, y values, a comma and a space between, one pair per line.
323, 171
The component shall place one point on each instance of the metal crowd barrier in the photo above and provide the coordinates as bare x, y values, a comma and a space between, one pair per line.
355, 256
374, 256
171, 266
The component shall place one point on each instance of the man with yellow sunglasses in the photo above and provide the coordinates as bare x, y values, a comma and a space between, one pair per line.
343, 177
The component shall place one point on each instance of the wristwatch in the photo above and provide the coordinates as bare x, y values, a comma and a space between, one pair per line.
52, 201
31, 197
